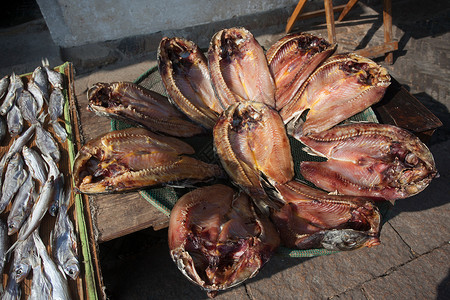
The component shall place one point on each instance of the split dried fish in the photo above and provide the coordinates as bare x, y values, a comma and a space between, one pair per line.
369, 159
14, 177
216, 238
22, 205
14, 90
184, 71
28, 107
134, 158
239, 69
134, 104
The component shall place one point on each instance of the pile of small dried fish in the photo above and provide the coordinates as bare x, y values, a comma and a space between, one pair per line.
33, 184
251, 102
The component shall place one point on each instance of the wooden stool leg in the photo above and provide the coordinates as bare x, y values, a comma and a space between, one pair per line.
329, 13
387, 24
298, 9
347, 8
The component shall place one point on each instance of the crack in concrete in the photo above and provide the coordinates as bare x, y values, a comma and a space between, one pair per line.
414, 254
248, 292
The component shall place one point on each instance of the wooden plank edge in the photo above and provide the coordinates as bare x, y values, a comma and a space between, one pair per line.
319, 12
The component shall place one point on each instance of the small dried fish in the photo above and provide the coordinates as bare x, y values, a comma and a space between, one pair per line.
59, 184
14, 90
22, 259
14, 120
14, 177
56, 104
64, 241
35, 164
4, 244
46, 143
28, 107
22, 205
4, 84
12, 291
60, 288
40, 78
55, 78
59, 130
41, 288
38, 95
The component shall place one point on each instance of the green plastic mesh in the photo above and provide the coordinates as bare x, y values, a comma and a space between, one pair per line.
165, 198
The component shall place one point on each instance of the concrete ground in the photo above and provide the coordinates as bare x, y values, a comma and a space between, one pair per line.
413, 260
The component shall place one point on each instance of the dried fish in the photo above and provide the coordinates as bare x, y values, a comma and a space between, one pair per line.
14, 177
41, 288
58, 186
22, 205
28, 107
38, 95
56, 104
60, 287
14, 90
40, 79
12, 291
239, 69
55, 78
134, 158
47, 144
23, 254
134, 104
184, 72
216, 238
4, 84
35, 164
14, 120
4, 244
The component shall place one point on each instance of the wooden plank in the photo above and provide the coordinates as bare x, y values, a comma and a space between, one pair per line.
346, 9
377, 51
387, 24
297, 11
320, 12
329, 14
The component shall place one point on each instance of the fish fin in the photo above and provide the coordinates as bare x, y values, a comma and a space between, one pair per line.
334, 193
312, 152
271, 191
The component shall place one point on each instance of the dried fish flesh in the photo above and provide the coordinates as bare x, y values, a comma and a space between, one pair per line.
23, 254
184, 71
28, 107
39, 97
250, 140
216, 238
55, 78
239, 69
46, 143
314, 219
132, 103
292, 59
35, 164
41, 288
369, 159
4, 84
64, 241
14, 177
135, 158
60, 287
14, 90
14, 120
22, 205
341, 87
40, 79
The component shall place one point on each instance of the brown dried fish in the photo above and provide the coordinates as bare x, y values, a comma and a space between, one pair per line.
239, 69
216, 238
132, 103
314, 219
184, 71
369, 159
292, 59
341, 87
135, 158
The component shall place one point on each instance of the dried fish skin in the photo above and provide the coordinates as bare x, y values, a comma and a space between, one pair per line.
250, 140
238, 68
341, 87
369, 159
216, 238
184, 71
292, 59
135, 158
132, 103
315, 219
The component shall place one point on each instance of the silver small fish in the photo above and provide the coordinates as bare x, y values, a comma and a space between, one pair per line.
12, 291
40, 78
56, 104
4, 84
28, 106
14, 90
4, 244
16, 147
22, 259
58, 186
38, 95
14, 177
60, 288
59, 130
14, 120
46, 143
22, 205
41, 288
55, 78
35, 163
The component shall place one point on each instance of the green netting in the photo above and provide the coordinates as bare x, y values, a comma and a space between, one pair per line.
165, 198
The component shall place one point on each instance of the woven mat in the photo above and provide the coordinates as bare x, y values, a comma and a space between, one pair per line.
164, 198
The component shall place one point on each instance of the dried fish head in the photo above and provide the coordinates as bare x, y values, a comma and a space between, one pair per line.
250, 140
184, 71
239, 69
341, 87
370, 159
292, 59
217, 240
314, 219
132, 103
135, 158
